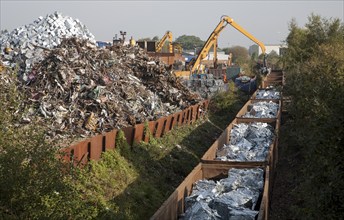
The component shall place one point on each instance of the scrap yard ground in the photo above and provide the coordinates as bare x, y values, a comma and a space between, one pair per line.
112, 133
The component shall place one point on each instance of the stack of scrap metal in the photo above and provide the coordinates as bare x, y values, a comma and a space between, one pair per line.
248, 142
234, 197
77, 90
262, 110
24, 46
267, 94
84, 89
205, 85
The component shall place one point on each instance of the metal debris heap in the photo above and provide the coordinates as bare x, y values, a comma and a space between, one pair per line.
248, 142
234, 197
84, 90
206, 86
262, 110
76, 89
268, 94
25, 45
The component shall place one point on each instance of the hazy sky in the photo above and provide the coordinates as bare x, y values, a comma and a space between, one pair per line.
266, 20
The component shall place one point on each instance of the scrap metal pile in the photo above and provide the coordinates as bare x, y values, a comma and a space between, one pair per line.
262, 110
206, 86
25, 45
248, 142
78, 89
234, 197
267, 94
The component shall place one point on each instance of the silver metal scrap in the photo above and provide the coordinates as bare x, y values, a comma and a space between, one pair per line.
262, 110
268, 94
248, 142
236, 199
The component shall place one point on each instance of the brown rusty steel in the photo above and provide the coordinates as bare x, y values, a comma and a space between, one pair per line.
80, 152
180, 120
110, 139
92, 148
175, 120
189, 115
206, 104
185, 116
168, 124
194, 113
150, 131
199, 109
129, 134
160, 127
139, 132
96, 147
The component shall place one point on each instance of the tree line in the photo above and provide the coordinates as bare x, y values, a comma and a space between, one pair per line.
315, 85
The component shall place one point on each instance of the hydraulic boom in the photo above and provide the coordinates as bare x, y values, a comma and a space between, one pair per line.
168, 35
212, 42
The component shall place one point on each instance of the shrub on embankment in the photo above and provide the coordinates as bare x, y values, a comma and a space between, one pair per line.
315, 84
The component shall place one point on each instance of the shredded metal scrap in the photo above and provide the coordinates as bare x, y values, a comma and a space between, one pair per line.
234, 197
25, 46
262, 110
268, 94
85, 90
248, 142
76, 89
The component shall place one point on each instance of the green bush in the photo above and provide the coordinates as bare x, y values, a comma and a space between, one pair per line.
315, 84
34, 182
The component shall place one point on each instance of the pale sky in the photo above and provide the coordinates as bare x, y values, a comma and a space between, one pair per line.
266, 20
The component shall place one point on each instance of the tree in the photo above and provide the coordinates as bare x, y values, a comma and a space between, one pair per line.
240, 54
273, 60
315, 70
155, 38
190, 42
226, 50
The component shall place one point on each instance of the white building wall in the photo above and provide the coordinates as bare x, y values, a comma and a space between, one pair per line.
268, 49
220, 56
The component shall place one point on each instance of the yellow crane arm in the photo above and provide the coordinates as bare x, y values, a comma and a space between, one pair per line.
168, 35
244, 32
208, 44
212, 40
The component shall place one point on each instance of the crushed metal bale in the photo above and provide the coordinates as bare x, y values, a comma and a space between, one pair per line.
262, 110
234, 197
206, 86
268, 94
248, 142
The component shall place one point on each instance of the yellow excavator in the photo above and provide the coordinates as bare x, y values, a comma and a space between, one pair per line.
197, 67
167, 36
